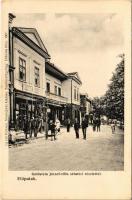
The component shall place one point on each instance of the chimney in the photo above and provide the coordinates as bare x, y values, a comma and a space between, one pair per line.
11, 17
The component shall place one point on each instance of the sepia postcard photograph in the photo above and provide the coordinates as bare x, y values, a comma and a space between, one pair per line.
67, 99
66, 110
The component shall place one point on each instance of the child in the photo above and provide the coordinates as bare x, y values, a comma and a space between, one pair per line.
53, 129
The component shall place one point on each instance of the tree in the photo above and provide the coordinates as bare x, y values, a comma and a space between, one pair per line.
112, 103
114, 97
98, 105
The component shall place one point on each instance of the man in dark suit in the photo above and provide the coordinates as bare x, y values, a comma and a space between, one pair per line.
84, 127
76, 128
98, 121
68, 124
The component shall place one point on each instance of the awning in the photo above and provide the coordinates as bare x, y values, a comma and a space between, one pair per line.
52, 104
28, 97
25, 97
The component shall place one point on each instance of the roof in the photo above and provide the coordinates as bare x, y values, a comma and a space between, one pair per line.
75, 76
53, 70
32, 33
85, 95
31, 37
72, 73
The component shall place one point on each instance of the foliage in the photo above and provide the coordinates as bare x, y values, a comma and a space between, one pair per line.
112, 103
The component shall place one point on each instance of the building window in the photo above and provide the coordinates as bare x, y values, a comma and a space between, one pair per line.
75, 93
37, 78
59, 91
47, 87
55, 89
22, 69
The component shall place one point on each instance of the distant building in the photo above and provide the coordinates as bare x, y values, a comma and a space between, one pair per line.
85, 104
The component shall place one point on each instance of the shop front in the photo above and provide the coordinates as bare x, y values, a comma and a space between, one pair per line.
28, 108
72, 112
55, 110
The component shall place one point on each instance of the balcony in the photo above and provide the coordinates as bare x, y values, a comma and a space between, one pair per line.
57, 98
28, 87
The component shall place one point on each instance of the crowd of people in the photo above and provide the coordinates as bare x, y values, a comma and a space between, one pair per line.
54, 127
32, 126
28, 126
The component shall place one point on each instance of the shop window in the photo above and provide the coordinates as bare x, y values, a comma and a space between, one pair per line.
55, 89
37, 77
22, 69
47, 87
59, 91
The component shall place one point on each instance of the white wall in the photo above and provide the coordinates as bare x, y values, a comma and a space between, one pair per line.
66, 85
29, 55
77, 86
53, 82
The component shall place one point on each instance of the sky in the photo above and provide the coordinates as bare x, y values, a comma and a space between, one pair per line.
86, 43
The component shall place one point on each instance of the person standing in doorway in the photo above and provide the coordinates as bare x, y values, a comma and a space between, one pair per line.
84, 127
68, 124
76, 128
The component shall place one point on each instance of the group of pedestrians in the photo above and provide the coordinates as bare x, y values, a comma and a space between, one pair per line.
54, 127
84, 126
96, 123
33, 126
30, 126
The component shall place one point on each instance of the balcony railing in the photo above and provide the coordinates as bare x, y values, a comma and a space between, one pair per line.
55, 97
29, 87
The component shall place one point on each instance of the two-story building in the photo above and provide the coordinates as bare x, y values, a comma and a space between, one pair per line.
27, 74
62, 93
37, 87
56, 99
71, 88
